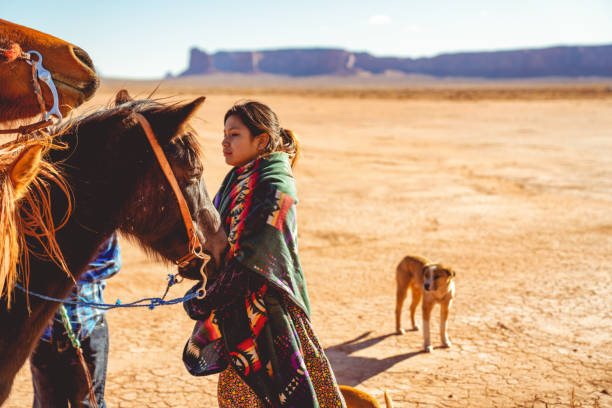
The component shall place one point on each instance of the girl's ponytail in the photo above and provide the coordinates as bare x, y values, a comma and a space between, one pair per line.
290, 144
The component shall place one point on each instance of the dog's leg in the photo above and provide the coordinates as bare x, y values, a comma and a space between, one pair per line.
444, 308
416, 298
401, 294
427, 307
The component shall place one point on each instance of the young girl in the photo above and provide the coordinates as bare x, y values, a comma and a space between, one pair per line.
254, 325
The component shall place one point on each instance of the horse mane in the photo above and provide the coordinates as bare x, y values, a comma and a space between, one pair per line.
31, 216
188, 137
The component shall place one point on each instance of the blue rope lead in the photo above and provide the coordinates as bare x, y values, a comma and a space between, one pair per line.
151, 303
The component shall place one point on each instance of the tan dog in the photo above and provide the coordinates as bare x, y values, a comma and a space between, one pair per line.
355, 398
435, 284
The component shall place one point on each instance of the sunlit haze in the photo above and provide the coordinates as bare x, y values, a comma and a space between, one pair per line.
147, 39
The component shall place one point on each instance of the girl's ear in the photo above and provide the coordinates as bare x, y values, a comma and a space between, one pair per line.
262, 141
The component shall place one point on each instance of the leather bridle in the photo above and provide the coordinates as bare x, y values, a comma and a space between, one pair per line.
39, 73
195, 250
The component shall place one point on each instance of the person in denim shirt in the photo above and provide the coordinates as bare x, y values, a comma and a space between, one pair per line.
57, 373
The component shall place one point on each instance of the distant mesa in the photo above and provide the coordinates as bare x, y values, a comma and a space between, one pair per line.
295, 62
565, 61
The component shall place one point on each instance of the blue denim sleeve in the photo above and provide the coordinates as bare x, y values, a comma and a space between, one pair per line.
106, 263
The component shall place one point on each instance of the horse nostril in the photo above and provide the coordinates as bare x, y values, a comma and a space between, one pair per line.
89, 88
83, 57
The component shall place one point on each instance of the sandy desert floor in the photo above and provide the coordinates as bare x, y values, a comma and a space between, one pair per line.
514, 193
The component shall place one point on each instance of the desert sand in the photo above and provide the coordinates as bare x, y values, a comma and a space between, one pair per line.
513, 190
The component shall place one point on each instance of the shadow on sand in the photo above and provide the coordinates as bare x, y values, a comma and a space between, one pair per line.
353, 370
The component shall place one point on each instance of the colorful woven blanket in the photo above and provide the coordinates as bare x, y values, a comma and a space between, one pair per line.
257, 206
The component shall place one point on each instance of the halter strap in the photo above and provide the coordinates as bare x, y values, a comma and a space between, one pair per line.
25, 129
195, 248
39, 73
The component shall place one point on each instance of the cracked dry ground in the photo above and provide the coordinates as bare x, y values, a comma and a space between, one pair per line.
515, 194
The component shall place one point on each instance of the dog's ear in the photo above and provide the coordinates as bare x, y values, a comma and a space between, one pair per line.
424, 270
450, 273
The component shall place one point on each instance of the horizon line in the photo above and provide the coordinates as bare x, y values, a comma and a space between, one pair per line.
483, 50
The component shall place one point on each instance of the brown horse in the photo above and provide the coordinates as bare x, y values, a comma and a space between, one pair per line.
74, 81
70, 67
116, 183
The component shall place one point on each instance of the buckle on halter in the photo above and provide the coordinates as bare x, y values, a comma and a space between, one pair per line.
45, 76
185, 260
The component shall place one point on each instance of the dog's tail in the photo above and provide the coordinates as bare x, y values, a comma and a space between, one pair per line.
388, 401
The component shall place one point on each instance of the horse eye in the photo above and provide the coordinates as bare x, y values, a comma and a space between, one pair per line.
194, 175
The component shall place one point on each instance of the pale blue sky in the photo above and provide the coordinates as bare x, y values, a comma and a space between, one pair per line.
146, 39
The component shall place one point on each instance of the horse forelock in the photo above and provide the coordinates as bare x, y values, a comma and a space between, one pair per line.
28, 216
187, 137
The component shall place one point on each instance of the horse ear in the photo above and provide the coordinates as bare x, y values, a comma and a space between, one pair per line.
178, 116
122, 97
24, 169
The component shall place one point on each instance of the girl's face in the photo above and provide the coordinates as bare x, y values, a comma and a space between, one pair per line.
239, 145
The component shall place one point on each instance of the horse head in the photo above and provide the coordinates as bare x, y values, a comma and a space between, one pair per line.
71, 69
153, 215
118, 183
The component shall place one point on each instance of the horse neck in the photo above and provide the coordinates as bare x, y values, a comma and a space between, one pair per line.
78, 240
96, 202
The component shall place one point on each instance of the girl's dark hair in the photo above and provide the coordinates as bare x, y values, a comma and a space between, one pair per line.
259, 119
